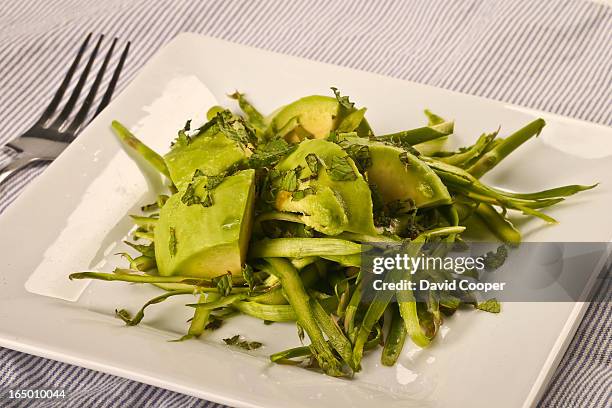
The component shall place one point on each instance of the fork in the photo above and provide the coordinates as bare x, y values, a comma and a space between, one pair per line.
47, 138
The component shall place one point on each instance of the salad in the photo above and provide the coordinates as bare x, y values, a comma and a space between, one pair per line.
268, 216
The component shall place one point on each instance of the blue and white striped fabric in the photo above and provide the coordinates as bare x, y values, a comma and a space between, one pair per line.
549, 55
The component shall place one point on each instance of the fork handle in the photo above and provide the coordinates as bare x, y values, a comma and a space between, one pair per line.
19, 162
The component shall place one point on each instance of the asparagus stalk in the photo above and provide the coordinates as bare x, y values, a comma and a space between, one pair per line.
302, 247
552, 193
498, 225
148, 223
459, 159
432, 118
146, 152
133, 321
271, 313
222, 302
271, 297
351, 308
395, 338
408, 310
297, 297
502, 150
463, 182
128, 277
285, 356
371, 318
336, 338
201, 317
535, 204
419, 135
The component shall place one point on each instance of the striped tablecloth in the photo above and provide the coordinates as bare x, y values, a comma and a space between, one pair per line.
550, 55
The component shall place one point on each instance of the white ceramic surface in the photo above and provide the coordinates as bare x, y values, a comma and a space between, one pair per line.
74, 216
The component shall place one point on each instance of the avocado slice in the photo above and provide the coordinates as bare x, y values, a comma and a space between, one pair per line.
193, 240
211, 152
335, 206
409, 178
311, 117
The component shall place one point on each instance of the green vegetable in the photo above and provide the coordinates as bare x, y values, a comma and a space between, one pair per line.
341, 199
271, 313
498, 225
295, 293
401, 176
187, 156
331, 329
416, 136
492, 158
147, 153
133, 321
254, 117
494, 260
395, 338
491, 306
464, 157
315, 115
238, 342
302, 247
302, 194
218, 242
201, 318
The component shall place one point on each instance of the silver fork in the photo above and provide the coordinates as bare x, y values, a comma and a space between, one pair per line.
45, 141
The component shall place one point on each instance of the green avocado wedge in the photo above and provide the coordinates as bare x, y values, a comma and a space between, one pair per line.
336, 205
210, 152
405, 178
311, 117
193, 240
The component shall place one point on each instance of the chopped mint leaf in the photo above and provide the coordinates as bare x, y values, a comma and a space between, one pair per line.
223, 283
341, 169
300, 194
494, 260
360, 155
208, 183
378, 207
236, 129
181, 140
313, 163
288, 180
491, 306
247, 345
247, 273
213, 324
344, 101
269, 154
231, 341
172, 242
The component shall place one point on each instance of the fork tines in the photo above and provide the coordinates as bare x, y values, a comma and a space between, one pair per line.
81, 115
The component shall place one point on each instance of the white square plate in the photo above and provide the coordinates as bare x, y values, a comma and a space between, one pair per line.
74, 215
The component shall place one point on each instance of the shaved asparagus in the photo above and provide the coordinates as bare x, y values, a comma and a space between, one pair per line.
133, 142
492, 158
